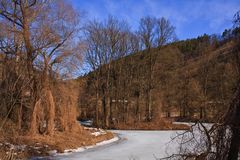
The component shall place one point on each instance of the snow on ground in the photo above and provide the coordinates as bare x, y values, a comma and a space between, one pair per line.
99, 132
81, 149
96, 131
137, 145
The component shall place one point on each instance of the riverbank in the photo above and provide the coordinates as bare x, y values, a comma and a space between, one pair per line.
27, 146
23, 147
141, 145
161, 124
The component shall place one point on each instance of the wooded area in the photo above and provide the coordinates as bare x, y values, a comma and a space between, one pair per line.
37, 48
186, 80
135, 79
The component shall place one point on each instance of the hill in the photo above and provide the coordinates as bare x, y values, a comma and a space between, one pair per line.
186, 80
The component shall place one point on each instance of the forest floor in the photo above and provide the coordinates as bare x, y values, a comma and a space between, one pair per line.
25, 147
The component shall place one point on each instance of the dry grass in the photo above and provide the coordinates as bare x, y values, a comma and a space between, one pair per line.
68, 134
161, 124
40, 145
61, 141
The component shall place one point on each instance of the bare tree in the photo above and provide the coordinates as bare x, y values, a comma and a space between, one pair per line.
134, 43
105, 42
16, 14
58, 52
146, 31
153, 32
43, 33
165, 32
93, 57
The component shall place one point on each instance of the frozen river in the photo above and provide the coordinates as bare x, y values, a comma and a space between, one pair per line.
134, 145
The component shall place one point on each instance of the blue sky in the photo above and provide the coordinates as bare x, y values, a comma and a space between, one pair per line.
190, 17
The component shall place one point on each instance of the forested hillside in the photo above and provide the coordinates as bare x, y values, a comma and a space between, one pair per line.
186, 80
138, 77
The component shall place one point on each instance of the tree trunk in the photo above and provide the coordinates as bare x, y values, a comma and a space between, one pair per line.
33, 123
20, 117
138, 110
235, 126
29, 63
97, 108
51, 113
48, 99
107, 114
108, 99
150, 106
201, 113
235, 144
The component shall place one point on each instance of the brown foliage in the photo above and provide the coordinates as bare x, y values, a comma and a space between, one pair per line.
187, 89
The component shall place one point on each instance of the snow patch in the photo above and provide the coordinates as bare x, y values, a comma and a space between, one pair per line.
107, 141
52, 152
19, 147
14, 147
98, 133
91, 128
36, 147
81, 149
